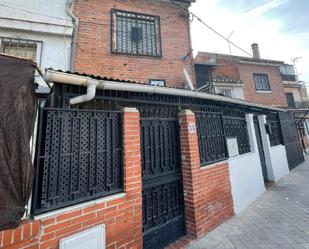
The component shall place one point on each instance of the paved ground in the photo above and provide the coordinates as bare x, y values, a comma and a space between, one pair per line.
279, 219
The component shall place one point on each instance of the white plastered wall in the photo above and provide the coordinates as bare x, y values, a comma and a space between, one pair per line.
246, 173
276, 160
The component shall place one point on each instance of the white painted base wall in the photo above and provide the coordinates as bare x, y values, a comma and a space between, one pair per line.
246, 180
246, 173
279, 162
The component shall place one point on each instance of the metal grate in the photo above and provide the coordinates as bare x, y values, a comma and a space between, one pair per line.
160, 147
79, 157
135, 33
212, 143
161, 203
215, 123
17, 46
235, 125
275, 135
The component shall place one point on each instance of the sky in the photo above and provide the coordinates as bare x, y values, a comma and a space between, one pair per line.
280, 27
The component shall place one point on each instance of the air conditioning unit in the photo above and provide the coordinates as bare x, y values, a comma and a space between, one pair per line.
93, 238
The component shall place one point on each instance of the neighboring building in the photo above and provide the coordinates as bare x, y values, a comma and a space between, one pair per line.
253, 79
295, 91
297, 99
38, 30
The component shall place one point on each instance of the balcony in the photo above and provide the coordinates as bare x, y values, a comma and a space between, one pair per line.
299, 105
288, 77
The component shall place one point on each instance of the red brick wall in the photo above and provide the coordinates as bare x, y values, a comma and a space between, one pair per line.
207, 190
94, 55
122, 216
277, 95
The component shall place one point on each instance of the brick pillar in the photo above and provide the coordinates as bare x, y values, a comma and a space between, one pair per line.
190, 168
132, 169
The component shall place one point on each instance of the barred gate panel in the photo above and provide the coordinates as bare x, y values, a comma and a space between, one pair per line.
79, 157
275, 136
163, 211
211, 136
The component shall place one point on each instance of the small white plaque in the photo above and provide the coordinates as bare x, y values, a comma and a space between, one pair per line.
232, 146
192, 128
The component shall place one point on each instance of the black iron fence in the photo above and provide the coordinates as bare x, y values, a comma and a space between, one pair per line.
215, 126
275, 133
79, 157
211, 137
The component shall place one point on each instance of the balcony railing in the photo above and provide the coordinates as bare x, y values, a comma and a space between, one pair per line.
299, 105
288, 77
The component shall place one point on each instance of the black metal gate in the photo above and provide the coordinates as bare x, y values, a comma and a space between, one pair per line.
79, 157
260, 148
163, 211
292, 144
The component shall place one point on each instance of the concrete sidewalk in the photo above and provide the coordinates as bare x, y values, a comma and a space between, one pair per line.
279, 219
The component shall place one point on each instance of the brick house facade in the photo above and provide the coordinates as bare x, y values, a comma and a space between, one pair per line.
94, 43
233, 72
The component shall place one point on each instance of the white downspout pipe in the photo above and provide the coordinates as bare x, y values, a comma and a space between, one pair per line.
91, 91
91, 85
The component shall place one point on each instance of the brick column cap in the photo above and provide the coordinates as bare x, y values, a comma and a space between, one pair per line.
185, 112
129, 109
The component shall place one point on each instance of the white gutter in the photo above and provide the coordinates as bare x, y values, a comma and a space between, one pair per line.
67, 78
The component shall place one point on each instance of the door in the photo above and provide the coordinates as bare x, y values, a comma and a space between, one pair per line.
163, 210
290, 99
260, 148
293, 147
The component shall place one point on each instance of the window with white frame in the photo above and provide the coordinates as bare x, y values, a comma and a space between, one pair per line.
227, 92
261, 82
25, 48
136, 34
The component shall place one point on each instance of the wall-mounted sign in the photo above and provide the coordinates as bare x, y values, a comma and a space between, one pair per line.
157, 82
192, 128
232, 146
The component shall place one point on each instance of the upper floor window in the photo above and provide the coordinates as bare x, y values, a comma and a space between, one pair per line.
135, 34
288, 72
20, 47
261, 82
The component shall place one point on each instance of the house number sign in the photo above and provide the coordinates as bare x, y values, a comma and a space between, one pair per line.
191, 128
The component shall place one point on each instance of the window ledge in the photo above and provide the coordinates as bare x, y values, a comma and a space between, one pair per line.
261, 91
79, 206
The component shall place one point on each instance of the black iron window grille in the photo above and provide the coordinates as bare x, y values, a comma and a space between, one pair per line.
275, 134
79, 157
261, 82
135, 34
211, 137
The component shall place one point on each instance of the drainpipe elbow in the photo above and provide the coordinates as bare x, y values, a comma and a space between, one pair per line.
91, 92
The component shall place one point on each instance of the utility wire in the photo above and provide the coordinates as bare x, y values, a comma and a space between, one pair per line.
209, 27
35, 13
256, 7
179, 6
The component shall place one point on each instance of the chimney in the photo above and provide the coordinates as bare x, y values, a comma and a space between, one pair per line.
256, 51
